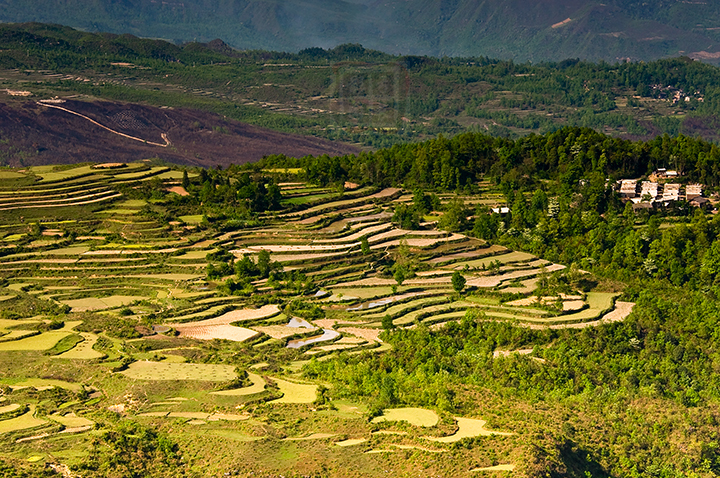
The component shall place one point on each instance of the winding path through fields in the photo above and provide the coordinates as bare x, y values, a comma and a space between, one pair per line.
163, 135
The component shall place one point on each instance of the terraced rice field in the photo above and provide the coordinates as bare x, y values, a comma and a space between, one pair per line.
258, 386
43, 341
221, 328
147, 370
92, 303
71, 420
418, 417
467, 428
295, 392
22, 422
127, 268
83, 350
46, 384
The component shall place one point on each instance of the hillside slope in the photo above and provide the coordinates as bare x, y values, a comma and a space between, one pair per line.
35, 134
508, 29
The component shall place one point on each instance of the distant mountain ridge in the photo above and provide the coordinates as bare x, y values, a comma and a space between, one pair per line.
521, 30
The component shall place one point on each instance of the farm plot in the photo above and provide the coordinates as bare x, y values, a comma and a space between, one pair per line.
509, 258
474, 254
418, 417
240, 315
9, 408
11, 323
467, 428
5, 174
258, 386
284, 331
193, 255
343, 292
504, 467
307, 257
83, 350
292, 248
393, 233
65, 174
410, 317
43, 341
93, 303
360, 198
381, 216
202, 417
371, 335
326, 336
45, 384
370, 231
351, 442
295, 392
147, 370
598, 302
419, 242
197, 316
374, 306
405, 307
621, 312
71, 420
223, 332
330, 348
23, 422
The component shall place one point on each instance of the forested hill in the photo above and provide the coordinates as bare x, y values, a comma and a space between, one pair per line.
507, 29
577, 159
356, 95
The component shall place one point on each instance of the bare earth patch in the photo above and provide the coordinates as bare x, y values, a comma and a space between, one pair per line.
419, 417
258, 386
281, 331
295, 392
178, 190
147, 370
467, 428
210, 332
233, 316
370, 335
496, 468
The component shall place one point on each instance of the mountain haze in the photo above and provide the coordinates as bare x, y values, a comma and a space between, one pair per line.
510, 29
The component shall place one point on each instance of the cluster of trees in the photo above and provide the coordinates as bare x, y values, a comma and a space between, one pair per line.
222, 264
126, 448
228, 199
247, 270
233, 188
409, 216
568, 156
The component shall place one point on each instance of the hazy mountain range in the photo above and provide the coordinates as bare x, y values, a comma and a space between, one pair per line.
516, 29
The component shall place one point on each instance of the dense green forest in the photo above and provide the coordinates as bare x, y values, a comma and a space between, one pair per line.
357, 95
565, 156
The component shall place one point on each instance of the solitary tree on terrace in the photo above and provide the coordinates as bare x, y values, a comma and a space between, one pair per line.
399, 277
458, 281
364, 245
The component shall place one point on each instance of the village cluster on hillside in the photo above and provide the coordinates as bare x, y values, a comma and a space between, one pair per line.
657, 191
675, 94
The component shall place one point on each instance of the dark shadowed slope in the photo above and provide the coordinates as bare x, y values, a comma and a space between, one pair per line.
33, 134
